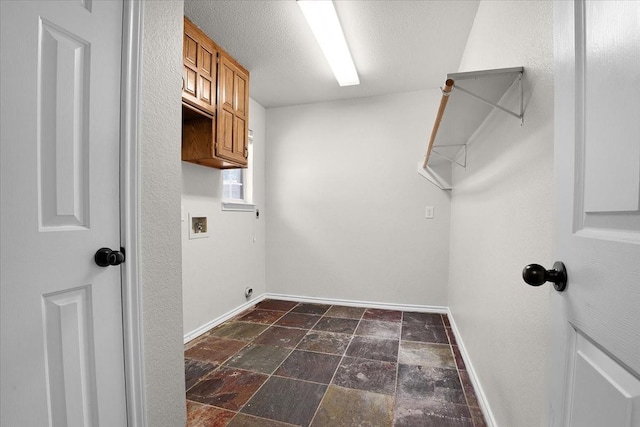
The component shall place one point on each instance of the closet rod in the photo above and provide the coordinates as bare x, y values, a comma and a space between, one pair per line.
448, 85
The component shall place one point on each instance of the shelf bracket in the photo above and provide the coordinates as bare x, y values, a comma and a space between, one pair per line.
500, 107
434, 177
453, 159
451, 148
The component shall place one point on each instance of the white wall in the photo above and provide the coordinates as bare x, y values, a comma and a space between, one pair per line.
216, 270
160, 257
346, 205
502, 216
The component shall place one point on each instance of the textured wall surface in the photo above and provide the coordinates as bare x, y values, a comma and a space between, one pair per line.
160, 258
216, 270
346, 205
502, 218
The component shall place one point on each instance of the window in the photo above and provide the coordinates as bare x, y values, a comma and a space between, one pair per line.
237, 194
233, 184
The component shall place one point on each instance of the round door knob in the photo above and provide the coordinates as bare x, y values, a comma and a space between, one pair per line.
536, 275
105, 257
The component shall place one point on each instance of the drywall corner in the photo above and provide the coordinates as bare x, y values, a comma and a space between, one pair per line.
160, 258
217, 270
502, 216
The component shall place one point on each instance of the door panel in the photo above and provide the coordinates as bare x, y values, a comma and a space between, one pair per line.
240, 146
190, 81
226, 87
190, 50
225, 137
68, 336
62, 358
62, 126
206, 63
190, 61
596, 338
241, 88
604, 393
612, 107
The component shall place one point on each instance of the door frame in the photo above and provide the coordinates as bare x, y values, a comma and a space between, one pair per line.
132, 310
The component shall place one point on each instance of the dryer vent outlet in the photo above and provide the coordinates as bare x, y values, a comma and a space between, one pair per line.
248, 292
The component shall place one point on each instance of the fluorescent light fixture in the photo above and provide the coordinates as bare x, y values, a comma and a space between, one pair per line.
323, 20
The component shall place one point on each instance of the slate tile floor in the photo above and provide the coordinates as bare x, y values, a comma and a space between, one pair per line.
284, 363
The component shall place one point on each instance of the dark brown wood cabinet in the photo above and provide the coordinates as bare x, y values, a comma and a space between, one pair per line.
215, 103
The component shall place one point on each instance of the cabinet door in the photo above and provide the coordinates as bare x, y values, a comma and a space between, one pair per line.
232, 111
224, 145
206, 77
199, 56
241, 106
190, 66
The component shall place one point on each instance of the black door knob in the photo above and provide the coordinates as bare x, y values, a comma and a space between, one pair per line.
105, 257
536, 275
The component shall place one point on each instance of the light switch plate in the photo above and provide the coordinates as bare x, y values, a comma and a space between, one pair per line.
428, 212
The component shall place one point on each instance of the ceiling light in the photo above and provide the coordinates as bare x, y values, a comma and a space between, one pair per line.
323, 20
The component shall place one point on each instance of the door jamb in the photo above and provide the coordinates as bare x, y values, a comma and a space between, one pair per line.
132, 309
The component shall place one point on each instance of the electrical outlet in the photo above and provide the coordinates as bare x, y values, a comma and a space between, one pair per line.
428, 212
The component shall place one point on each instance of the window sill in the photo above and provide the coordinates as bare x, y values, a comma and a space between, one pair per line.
238, 206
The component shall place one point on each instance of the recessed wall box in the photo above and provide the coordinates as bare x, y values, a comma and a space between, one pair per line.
198, 227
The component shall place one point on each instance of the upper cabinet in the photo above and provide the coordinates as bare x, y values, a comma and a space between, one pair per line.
232, 109
199, 58
215, 103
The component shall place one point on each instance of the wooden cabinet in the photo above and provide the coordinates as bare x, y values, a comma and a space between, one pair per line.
199, 57
215, 102
232, 109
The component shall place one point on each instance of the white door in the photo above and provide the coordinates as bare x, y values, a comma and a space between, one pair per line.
595, 368
62, 360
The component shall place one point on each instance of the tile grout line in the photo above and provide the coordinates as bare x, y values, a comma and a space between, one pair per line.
395, 394
271, 374
309, 330
263, 418
215, 407
337, 367
209, 334
288, 355
217, 368
284, 359
464, 391
245, 346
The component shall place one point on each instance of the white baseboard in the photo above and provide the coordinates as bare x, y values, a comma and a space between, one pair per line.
297, 298
482, 398
355, 303
220, 319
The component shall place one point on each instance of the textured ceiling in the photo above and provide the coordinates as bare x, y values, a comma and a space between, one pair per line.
397, 46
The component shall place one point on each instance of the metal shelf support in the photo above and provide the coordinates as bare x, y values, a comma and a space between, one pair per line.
453, 159
496, 105
452, 131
